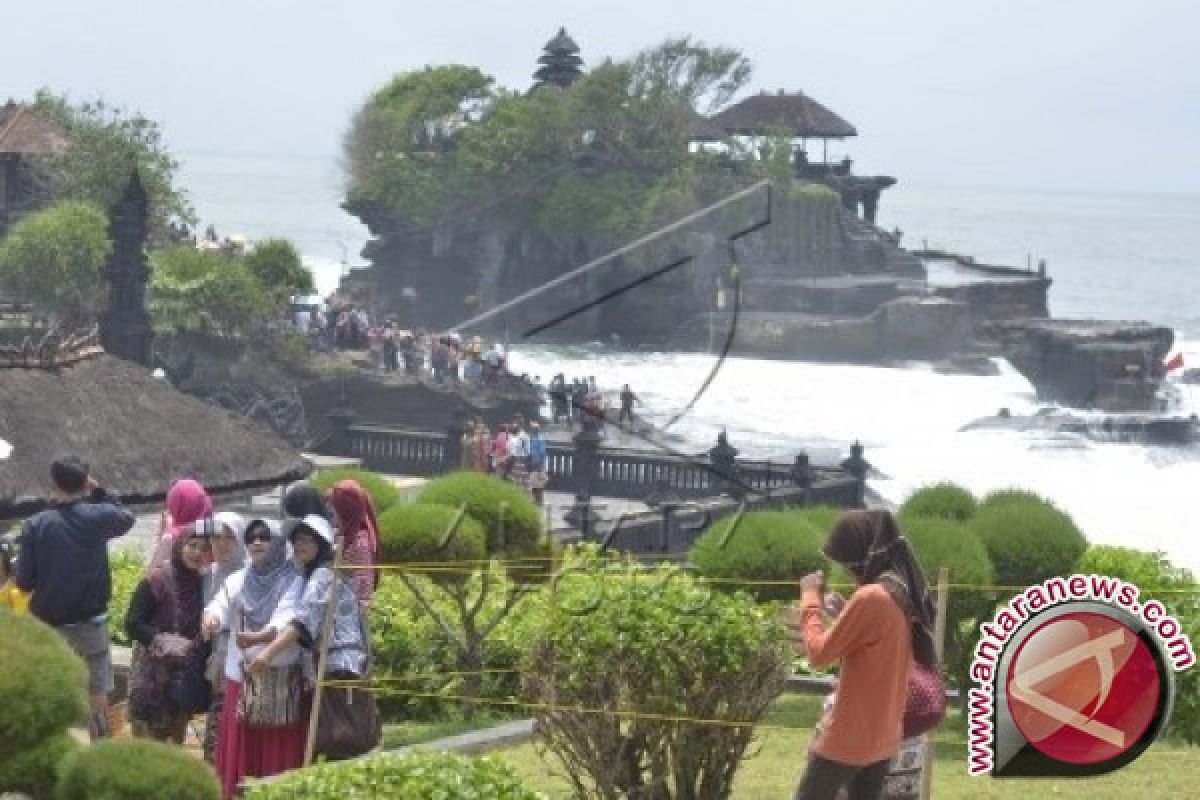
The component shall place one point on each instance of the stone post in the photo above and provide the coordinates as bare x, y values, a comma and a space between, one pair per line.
723, 458
857, 466
586, 457
338, 444
802, 471
452, 454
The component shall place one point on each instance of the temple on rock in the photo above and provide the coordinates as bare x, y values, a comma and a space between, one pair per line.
560, 63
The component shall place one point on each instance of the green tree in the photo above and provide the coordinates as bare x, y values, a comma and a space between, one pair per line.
55, 259
202, 290
106, 144
276, 266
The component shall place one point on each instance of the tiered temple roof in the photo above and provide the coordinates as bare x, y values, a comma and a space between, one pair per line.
560, 63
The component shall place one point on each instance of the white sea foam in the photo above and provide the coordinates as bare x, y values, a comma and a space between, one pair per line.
5, 449
910, 422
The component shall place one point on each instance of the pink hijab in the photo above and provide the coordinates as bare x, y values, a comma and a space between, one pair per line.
186, 502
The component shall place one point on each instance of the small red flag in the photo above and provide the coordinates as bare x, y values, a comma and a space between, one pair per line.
1175, 363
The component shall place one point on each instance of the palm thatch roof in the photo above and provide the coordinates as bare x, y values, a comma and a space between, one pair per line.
759, 114
25, 132
137, 432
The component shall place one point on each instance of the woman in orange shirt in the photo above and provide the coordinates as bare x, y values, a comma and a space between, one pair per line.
885, 625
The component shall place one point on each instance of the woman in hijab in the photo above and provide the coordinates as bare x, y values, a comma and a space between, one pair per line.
164, 619
359, 529
883, 628
187, 502
255, 604
229, 556
301, 499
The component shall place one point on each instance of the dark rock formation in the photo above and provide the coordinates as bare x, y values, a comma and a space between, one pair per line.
1129, 428
1110, 366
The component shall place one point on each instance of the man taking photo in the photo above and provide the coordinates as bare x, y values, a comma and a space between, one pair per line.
63, 565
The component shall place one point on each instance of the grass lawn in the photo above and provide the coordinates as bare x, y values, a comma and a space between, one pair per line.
402, 734
774, 764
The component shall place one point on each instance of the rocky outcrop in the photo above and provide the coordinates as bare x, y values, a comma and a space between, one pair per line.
1110, 366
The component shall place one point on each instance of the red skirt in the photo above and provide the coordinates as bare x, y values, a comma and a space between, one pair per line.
249, 751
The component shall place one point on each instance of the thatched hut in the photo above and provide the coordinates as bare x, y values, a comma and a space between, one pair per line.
795, 114
24, 134
137, 432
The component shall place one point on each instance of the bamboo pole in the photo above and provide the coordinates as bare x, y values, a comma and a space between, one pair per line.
323, 653
939, 645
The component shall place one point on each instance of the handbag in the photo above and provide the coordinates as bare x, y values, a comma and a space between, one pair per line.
348, 721
188, 689
272, 699
926, 704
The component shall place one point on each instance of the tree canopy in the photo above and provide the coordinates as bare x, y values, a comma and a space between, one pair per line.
445, 143
55, 259
107, 142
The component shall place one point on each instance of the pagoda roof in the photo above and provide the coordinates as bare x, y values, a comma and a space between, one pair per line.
23, 131
561, 43
804, 117
136, 431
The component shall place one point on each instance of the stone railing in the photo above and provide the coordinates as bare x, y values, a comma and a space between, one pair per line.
586, 469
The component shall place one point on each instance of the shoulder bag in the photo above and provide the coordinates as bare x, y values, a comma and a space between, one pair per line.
348, 722
926, 700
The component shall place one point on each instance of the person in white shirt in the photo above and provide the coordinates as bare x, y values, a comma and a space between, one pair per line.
255, 604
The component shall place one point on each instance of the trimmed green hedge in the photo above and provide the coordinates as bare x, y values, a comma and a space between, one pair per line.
509, 517
940, 542
35, 771
947, 500
415, 532
1027, 538
128, 567
136, 769
43, 684
765, 546
383, 494
420, 775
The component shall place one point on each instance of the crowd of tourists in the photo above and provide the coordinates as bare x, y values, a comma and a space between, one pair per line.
516, 452
226, 620
231, 610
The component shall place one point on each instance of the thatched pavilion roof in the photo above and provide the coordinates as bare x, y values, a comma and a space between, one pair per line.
137, 432
25, 132
799, 113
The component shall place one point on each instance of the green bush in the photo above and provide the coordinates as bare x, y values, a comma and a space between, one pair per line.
617, 638
35, 771
136, 769
419, 775
383, 494
1147, 571
128, 567
42, 683
765, 546
1027, 538
940, 542
820, 517
948, 500
511, 520
1001, 497
415, 533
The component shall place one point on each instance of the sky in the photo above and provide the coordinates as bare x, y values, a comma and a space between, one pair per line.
1039, 94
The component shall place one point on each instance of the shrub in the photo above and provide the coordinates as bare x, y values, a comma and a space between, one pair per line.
128, 567
1001, 497
511, 520
35, 771
820, 517
765, 546
1027, 538
42, 683
947, 500
659, 647
136, 769
414, 533
418, 775
383, 494
1148, 571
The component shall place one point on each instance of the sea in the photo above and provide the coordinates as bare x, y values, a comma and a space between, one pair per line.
1110, 255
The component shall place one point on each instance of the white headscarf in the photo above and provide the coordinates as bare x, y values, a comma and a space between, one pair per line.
216, 576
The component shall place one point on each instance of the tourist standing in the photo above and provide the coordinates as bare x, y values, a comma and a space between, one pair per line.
229, 557
164, 619
187, 501
628, 398
266, 735
300, 499
63, 566
886, 624
501, 458
482, 450
537, 463
518, 453
358, 526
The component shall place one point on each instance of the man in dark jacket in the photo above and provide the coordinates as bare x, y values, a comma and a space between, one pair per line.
64, 566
